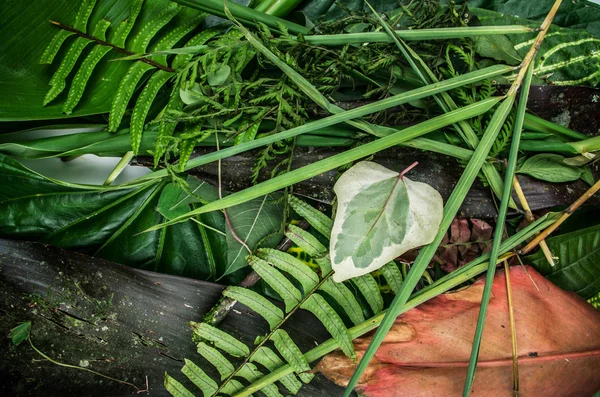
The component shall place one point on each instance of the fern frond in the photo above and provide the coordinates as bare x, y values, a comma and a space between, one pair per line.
220, 339
199, 378
291, 295
392, 275
126, 89
317, 219
293, 266
58, 82
251, 374
213, 356
317, 305
81, 20
261, 305
369, 289
175, 388
292, 355
271, 361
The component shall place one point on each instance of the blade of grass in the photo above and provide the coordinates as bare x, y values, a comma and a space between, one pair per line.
340, 117
246, 14
415, 34
426, 255
467, 272
499, 231
340, 159
444, 101
513, 328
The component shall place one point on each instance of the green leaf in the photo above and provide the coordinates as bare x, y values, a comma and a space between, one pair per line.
500, 48
369, 289
276, 280
107, 222
271, 361
233, 386
392, 275
291, 265
587, 176
219, 361
175, 388
380, 215
219, 77
250, 373
344, 297
125, 92
199, 377
321, 222
257, 223
256, 302
578, 265
20, 333
550, 167
311, 245
332, 321
292, 354
220, 339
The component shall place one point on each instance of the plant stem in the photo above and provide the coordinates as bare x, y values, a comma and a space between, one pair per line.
530, 218
119, 168
578, 203
114, 47
513, 328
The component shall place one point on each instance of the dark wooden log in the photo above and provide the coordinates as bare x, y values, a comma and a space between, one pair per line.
126, 323
579, 107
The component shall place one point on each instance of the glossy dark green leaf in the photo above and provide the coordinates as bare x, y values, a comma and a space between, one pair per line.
577, 266
108, 222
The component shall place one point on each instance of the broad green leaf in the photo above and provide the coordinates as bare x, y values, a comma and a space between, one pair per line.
380, 216
257, 223
107, 222
313, 216
256, 302
271, 361
20, 333
175, 388
291, 265
276, 280
199, 377
500, 48
369, 289
577, 268
219, 361
550, 167
220, 339
332, 321
292, 354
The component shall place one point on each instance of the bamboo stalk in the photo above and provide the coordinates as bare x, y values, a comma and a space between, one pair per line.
530, 218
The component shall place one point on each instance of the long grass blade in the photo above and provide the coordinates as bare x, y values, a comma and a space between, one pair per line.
346, 157
499, 231
454, 202
344, 116
414, 35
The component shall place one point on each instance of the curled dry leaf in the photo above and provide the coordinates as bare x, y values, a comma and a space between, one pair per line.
426, 353
380, 215
466, 240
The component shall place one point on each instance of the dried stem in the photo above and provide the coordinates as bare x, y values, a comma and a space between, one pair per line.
530, 218
114, 47
566, 213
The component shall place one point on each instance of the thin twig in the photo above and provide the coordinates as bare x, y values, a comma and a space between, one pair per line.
513, 329
530, 218
114, 47
578, 203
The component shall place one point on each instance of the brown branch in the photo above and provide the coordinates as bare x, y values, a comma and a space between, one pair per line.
114, 47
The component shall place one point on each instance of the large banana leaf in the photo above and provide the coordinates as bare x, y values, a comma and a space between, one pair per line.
108, 222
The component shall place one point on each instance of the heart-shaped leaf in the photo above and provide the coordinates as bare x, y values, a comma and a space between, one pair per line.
380, 215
